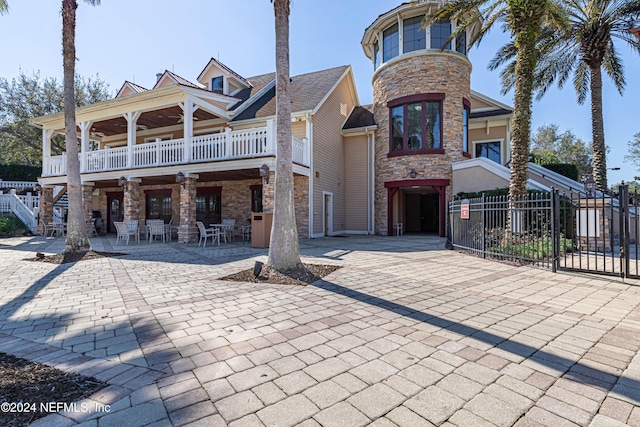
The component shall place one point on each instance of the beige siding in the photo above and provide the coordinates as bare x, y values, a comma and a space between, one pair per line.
328, 156
496, 133
477, 103
355, 187
299, 129
476, 179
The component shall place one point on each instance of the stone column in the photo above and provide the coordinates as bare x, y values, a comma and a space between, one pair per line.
268, 192
132, 200
46, 207
188, 231
87, 203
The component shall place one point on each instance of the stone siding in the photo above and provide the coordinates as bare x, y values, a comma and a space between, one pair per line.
447, 73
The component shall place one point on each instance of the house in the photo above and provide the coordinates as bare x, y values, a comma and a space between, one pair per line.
205, 150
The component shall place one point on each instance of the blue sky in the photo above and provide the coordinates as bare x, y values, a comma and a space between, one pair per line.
133, 40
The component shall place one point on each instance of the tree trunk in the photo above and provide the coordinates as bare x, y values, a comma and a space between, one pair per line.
521, 120
77, 236
284, 251
597, 130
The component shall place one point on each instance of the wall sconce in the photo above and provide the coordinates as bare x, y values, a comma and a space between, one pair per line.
122, 181
590, 186
180, 178
413, 173
264, 172
37, 188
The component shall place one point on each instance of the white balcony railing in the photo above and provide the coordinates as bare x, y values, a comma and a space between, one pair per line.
240, 144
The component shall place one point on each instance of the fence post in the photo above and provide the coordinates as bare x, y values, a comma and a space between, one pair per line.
623, 204
483, 225
555, 230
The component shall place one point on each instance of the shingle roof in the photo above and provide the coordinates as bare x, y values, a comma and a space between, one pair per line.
307, 90
134, 87
227, 69
361, 116
257, 83
178, 79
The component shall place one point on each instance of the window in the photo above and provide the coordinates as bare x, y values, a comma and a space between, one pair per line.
466, 108
490, 150
217, 84
440, 32
390, 43
461, 43
414, 38
377, 57
416, 125
208, 205
158, 204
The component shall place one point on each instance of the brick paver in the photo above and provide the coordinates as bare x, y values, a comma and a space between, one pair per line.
406, 333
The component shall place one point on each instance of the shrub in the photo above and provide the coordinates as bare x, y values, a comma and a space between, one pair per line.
565, 169
10, 226
13, 172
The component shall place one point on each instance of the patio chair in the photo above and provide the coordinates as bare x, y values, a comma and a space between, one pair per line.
155, 228
229, 225
132, 226
48, 228
125, 233
205, 233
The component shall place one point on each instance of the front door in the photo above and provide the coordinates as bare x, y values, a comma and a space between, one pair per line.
115, 210
209, 205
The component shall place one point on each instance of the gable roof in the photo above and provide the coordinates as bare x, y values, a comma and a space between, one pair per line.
132, 87
257, 84
176, 79
223, 67
307, 91
360, 117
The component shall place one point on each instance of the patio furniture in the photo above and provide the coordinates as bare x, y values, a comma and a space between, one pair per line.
124, 232
155, 228
48, 228
171, 229
205, 233
228, 226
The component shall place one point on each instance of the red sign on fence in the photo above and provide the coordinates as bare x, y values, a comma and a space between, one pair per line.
464, 211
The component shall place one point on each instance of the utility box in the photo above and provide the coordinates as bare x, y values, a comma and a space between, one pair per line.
261, 229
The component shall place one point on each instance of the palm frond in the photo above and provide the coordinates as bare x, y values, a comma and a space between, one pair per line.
581, 80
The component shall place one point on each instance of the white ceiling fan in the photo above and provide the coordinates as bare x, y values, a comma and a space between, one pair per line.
180, 118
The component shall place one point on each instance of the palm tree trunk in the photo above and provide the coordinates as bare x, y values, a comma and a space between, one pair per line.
77, 237
284, 251
521, 120
597, 130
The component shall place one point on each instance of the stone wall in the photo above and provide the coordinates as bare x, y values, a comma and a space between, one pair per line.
132, 201
187, 231
439, 72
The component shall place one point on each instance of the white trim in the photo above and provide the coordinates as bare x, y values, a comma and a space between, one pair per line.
253, 99
496, 169
352, 88
309, 134
164, 137
489, 100
328, 228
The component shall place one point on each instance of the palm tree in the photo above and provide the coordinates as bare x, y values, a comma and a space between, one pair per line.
284, 250
3, 6
523, 19
582, 49
77, 237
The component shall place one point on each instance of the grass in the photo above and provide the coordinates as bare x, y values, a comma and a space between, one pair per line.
535, 249
10, 226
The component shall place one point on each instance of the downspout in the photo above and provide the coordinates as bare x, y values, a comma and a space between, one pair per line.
366, 131
373, 182
309, 131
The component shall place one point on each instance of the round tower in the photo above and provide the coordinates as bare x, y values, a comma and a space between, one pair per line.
421, 104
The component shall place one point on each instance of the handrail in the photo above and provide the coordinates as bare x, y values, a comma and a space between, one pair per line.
12, 203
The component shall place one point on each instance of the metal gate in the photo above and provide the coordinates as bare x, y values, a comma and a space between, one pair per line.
604, 234
557, 231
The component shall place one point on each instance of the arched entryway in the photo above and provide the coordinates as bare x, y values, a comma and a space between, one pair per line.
420, 205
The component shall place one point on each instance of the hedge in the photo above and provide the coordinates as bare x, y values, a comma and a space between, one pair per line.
565, 169
13, 172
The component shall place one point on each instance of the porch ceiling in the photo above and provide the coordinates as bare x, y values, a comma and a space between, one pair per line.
150, 119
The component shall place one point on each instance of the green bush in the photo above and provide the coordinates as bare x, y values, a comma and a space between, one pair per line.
10, 226
565, 169
13, 172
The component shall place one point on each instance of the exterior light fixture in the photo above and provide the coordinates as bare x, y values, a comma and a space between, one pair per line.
180, 178
37, 188
264, 172
122, 181
590, 186
413, 173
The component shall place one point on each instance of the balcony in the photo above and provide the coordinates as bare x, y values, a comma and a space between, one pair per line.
230, 145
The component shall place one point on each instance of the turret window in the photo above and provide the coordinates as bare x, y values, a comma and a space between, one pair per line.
390, 43
414, 38
416, 124
440, 32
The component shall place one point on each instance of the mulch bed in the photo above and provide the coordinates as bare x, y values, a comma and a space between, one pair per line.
267, 275
25, 385
63, 258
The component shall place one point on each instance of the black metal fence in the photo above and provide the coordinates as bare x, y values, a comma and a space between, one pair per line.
551, 230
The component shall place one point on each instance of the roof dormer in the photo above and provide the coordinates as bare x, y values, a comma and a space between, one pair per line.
169, 78
219, 78
129, 88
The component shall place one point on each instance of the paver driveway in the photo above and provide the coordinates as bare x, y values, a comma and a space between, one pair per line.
406, 333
